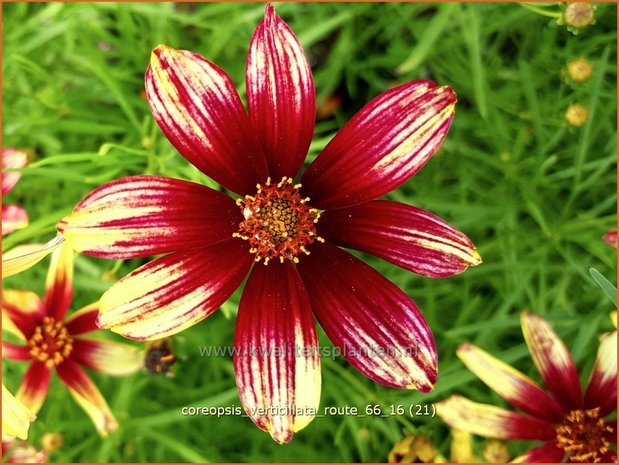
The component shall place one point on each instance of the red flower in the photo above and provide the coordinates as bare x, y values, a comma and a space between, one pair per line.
212, 242
53, 342
571, 424
13, 216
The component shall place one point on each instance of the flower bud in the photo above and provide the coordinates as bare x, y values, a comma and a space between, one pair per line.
576, 115
578, 15
579, 70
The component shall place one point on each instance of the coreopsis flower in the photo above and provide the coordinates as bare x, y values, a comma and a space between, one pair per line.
13, 216
212, 242
572, 425
17, 451
611, 238
16, 417
53, 342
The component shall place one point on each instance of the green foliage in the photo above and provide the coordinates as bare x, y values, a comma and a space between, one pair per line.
534, 195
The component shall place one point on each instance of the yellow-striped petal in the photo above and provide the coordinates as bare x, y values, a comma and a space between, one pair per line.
16, 417
59, 282
518, 389
87, 396
553, 360
112, 358
23, 257
492, 422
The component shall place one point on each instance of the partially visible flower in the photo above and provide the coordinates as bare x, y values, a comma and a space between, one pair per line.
412, 449
16, 417
495, 451
578, 15
13, 216
576, 115
611, 238
210, 242
52, 442
571, 424
22, 257
18, 451
579, 70
462, 447
53, 342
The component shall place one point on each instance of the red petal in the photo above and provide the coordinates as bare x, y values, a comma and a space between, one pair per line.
406, 236
59, 283
547, 453
15, 352
602, 387
553, 361
13, 218
33, 389
12, 158
197, 107
25, 322
280, 95
109, 357
87, 396
139, 216
382, 146
276, 360
611, 238
519, 390
84, 320
376, 326
174, 292
492, 422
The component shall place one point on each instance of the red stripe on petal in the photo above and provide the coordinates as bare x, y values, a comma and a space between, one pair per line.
547, 453
197, 107
33, 389
139, 216
406, 236
377, 327
492, 422
519, 390
382, 146
12, 159
174, 292
13, 218
15, 352
276, 362
553, 361
280, 95
602, 388
87, 396
84, 320
59, 283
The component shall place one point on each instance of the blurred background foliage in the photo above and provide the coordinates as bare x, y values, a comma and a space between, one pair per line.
533, 193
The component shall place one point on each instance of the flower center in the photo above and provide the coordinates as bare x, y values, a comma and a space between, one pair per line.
278, 223
583, 436
51, 342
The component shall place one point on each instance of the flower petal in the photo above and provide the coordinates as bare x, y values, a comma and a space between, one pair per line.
87, 396
59, 283
138, 216
197, 107
492, 422
15, 351
611, 237
12, 159
84, 320
553, 361
280, 95
24, 309
276, 361
16, 417
23, 257
112, 358
602, 387
406, 236
13, 218
375, 325
33, 389
174, 292
382, 146
518, 389
546, 453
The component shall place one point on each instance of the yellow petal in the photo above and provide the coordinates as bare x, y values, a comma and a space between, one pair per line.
16, 417
23, 257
